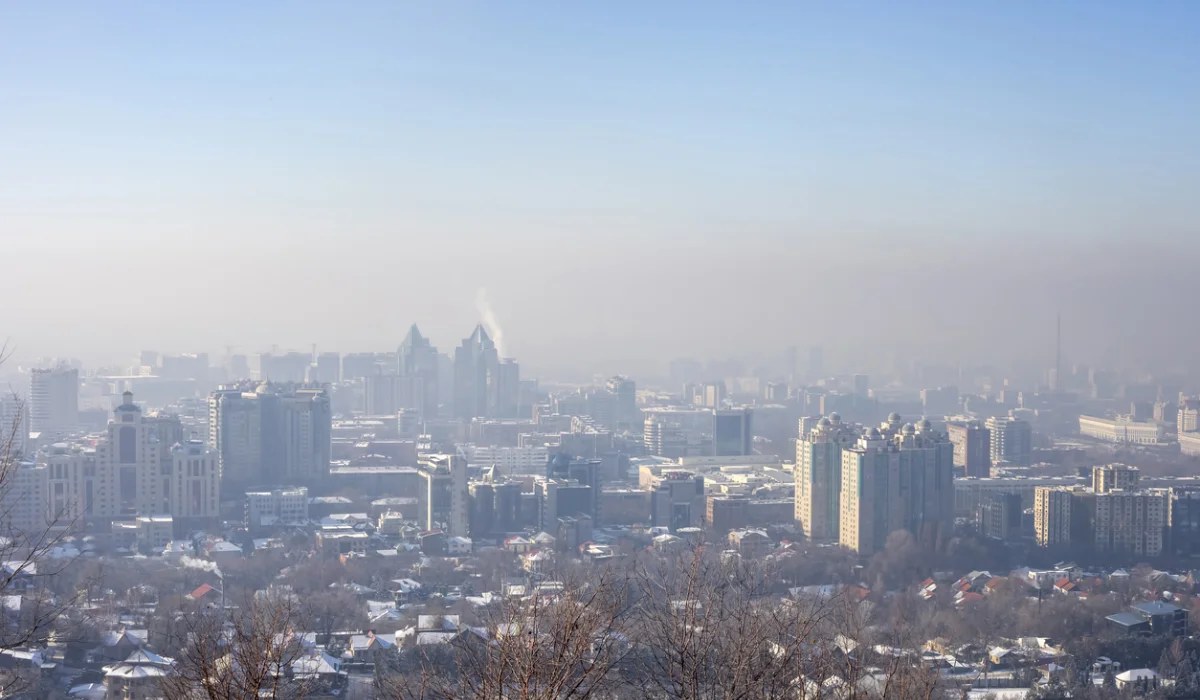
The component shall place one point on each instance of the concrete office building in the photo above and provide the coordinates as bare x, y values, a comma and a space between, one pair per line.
1012, 441
818, 477
732, 432
972, 448
53, 402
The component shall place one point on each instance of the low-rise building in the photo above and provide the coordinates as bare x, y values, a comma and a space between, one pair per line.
1122, 429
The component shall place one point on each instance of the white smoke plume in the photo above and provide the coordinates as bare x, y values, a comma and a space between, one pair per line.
202, 564
487, 316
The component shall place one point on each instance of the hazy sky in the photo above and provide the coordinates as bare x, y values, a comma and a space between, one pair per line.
630, 181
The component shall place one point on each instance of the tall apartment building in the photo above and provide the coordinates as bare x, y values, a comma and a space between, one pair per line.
68, 485
1000, 517
1114, 476
268, 433
972, 448
443, 500
1187, 419
1131, 522
1012, 440
1052, 516
24, 512
129, 462
732, 432
417, 362
894, 478
14, 426
195, 486
53, 400
818, 477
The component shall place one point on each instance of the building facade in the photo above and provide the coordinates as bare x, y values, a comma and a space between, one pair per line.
1122, 430
818, 477
53, 400
1011, 441
972, 448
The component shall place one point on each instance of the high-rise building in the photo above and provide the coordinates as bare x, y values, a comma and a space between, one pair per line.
999, 516
444, 498
818, 477
14, 427
130, 460
1187, 418
418, 367
266, 433
625, 391
862, 385
1114, 476
1012, 441
474, 362
24, 502
504, 389
972, 448
1183, 521
896, 478
381, 394
1131, 522
328, 368
1052, 519
194, 486
53, 400
731, 430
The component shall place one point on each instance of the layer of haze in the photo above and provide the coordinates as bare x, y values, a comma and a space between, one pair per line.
629, 181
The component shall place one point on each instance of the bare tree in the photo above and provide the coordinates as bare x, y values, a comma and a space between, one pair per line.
249, 652
561, 642
31, 545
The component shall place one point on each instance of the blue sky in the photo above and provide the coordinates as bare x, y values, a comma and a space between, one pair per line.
507, 144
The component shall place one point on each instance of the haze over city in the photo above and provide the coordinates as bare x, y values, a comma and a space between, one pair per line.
629, 183
599, 351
